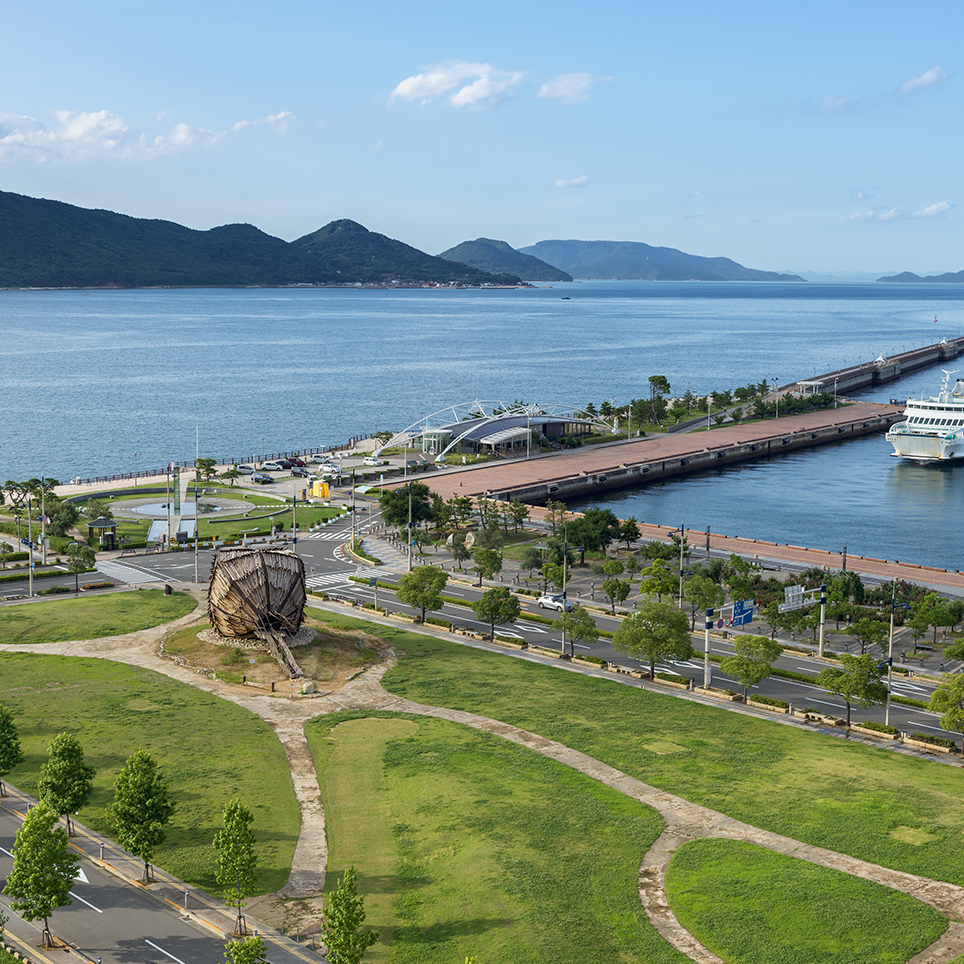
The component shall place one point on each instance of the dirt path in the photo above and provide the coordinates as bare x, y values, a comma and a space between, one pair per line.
684, 820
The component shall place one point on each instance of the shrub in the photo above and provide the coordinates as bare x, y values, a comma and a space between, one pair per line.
435, 621
769, 701
53, 589
878, 727
672, 678
933, 740
98, 585
598, 660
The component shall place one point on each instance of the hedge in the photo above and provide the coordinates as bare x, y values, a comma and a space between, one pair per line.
933, 740
878, 727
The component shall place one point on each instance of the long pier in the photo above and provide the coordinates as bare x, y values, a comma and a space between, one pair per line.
881, 370
581, 472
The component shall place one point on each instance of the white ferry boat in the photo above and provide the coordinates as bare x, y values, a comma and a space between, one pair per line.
933, 428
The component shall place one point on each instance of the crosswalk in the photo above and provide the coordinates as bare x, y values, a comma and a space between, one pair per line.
340, 578
128, 574
341, 535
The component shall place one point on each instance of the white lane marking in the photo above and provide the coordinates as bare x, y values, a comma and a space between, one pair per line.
161, 949
580, 646
927, 726
87, 902
81, 876
7, 852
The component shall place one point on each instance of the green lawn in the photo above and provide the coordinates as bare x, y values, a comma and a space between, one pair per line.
752, 906
210, 752
883, 807
468, 845
88, 617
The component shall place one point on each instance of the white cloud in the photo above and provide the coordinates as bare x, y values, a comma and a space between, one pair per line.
89, 135
696, 193
928, 79
571, 88
860, 196
571, 181
487, 87
893, 214
834, 103
933, 210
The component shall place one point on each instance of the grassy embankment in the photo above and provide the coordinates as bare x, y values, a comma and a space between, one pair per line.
89, 617
752, 906
468, 845
209, 751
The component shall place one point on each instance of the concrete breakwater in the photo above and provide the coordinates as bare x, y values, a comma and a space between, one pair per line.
581, 472
881, 370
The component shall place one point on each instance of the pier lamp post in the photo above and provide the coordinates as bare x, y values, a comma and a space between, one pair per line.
776, 393
835, 393
135, 468
262, 450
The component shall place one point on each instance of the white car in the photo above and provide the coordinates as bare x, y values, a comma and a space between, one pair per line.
371, 460
556, 603
244, 469
322, 459
272, 467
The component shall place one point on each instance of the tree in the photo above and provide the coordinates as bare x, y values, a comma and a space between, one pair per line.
594, 530
232, 475
422, 588
702, 593
394, 504
80, 559
655, 631
869, 632
10, 752
658, 390
739, 575
460, 551
489, 538
520, 513
531, 559
98, 509
857, 682
658, 580
931, 611
247, 950
63, 515
341, 927
614, 589
496, 607
629, 531
555, 576
632, 564
204, 469
948, 700
752, 660
577, 626
555, 514
141, 808
43, 868
66, 781
461, 506
237, 861
441, 511
487, 563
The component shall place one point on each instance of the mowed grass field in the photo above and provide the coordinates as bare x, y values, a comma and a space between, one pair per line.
209, 751
468, 845
753, 906
884, 807
88, 617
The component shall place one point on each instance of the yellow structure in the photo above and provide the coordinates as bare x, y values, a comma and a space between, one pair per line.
320, 490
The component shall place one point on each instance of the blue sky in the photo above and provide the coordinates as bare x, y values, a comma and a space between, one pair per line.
819, 136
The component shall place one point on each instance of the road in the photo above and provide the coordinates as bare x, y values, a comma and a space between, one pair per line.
116, 922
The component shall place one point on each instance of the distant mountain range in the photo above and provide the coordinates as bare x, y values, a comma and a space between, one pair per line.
634, 260
498, 256
948, 277
49, 244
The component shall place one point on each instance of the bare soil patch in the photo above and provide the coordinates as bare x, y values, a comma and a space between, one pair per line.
329, 658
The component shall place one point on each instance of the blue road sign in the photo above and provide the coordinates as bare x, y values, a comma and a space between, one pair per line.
742, 612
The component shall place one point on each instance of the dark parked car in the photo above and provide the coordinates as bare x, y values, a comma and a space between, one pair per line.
261, 478
300, 472
296, 461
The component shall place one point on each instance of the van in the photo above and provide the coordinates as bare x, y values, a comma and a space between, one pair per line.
371, 460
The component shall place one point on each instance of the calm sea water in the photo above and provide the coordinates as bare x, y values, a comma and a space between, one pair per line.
89, 378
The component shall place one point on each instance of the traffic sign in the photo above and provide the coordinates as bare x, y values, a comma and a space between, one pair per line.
743, 612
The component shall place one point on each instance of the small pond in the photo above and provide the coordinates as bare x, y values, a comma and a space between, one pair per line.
187, 509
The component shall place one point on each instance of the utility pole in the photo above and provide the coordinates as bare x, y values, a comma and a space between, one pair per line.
823, 618
43, 519
409, 526
707, 670
30, 546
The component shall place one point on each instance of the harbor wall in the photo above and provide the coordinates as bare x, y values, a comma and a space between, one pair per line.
880, 371
768, 441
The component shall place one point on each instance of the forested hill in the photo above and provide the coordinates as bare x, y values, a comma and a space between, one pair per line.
352, 250
634, 260
949, 277
51, 244
498, 256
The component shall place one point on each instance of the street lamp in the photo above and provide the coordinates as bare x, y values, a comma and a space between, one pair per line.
890, 648
776, 392
262, 450
835, 393
135, 468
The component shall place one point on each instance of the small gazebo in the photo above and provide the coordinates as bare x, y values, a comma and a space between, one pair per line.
105, 529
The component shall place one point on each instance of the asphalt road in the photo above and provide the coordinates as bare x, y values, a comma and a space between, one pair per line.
115, 922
